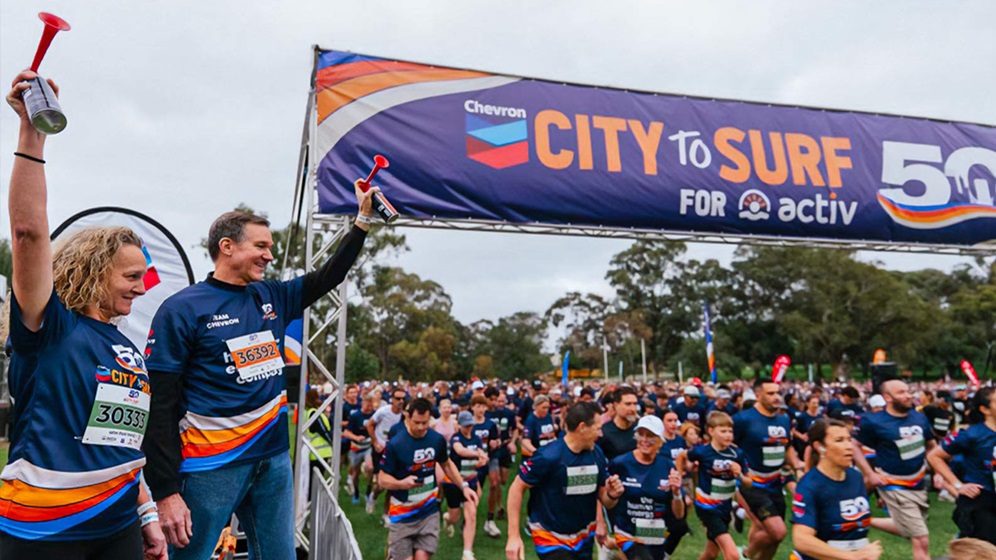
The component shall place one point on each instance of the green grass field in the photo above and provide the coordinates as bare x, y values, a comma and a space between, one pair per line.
372, 537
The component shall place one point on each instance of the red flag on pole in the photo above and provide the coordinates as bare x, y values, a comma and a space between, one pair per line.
966, 366
782, 364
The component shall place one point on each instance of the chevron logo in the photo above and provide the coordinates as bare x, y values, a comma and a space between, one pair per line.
496, 136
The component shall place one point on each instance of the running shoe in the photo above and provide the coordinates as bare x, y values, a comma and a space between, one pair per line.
468, 555
448, 528
945, 496
500, 515
356, 500
491, 528
349, 486
370, 504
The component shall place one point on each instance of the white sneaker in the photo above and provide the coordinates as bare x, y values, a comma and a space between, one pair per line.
448, 528
370, 505
468, 555
945, 496
349, 486
491, 528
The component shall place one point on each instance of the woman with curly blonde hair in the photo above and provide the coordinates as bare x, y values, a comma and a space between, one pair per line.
80, 392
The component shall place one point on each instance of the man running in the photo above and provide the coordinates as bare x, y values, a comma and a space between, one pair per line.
360, 443
762, 433
619, 436
901, 438
502, 457
567, 479
378, 427
408, 473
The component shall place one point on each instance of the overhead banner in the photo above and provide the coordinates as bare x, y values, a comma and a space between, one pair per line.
471, 145
168, 270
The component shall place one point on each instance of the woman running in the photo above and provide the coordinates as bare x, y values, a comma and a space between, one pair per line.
80, 390
645, 515
975, 512
830, 509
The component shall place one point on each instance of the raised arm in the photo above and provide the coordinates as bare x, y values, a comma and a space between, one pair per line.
31, 250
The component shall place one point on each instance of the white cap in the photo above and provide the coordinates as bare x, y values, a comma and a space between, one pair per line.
749, 395
510, 391
577, 391
692, 391
476, 385
652, 424
876, 401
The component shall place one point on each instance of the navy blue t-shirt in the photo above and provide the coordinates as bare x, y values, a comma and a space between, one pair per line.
717, 484
977, 444
81, 398
539, 431
639, 515
563, 496
900, 446
226, 341
695, 414
358, 425
674, 447
406, 456
837, 510
466, 465
804, 421
764, 440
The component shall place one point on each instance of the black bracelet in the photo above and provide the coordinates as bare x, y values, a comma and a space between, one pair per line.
32, 158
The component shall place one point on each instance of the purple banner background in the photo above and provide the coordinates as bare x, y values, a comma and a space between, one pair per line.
451, 159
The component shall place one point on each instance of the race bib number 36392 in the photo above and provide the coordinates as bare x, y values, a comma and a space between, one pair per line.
118, 417
255, 354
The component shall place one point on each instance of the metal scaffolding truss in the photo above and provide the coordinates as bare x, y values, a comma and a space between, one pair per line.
982, 250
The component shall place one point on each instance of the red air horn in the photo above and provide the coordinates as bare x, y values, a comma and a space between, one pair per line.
380, 204
39, 99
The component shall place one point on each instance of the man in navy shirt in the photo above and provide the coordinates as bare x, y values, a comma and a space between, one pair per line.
848, 402
901, 438
690, 409
408, 472
218, 438
567, 479
762, 433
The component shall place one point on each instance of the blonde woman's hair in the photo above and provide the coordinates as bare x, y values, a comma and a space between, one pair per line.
81, 268
82, 264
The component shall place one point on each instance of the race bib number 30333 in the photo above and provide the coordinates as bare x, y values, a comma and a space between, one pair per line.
118, 417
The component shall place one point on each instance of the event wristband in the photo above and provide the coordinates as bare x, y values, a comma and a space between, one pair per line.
364, 219
150, 518
146, 507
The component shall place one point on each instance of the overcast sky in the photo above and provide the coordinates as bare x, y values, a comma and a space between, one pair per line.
182, 110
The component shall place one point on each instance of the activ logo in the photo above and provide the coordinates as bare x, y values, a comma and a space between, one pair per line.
496, 136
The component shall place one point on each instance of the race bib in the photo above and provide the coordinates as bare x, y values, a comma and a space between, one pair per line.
468, 467
773, 456
910, 447
723, 489
581, 480
118, 417
255, 354
651, 532
422, 491
856, 544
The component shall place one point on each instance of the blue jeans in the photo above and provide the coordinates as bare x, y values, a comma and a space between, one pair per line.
261, 494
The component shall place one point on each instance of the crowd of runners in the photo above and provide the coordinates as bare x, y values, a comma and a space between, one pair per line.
615, 469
